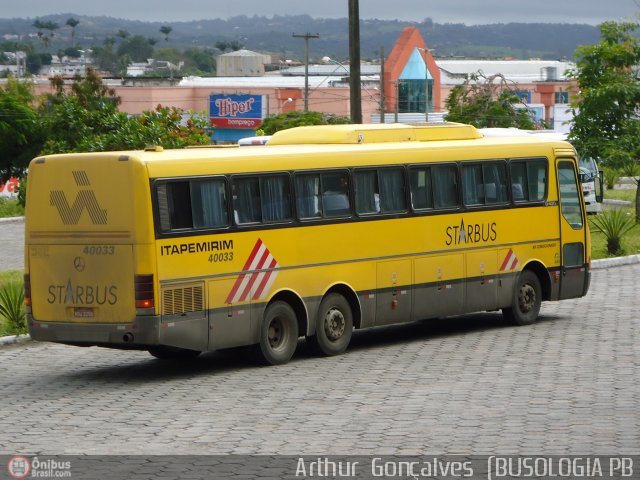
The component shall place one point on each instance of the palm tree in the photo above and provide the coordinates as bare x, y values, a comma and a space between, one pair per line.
166, 30
48, 25
73, 23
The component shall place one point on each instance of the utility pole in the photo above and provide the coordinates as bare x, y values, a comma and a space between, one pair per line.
382, 97
306, 37
354, 62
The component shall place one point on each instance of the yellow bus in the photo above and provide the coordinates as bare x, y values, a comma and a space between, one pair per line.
324, 230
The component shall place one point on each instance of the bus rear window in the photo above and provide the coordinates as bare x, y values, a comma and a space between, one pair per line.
192, 204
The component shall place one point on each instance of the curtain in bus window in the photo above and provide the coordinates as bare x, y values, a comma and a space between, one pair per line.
163, 207
537, 173
308, 196
391, 190
495, 182
335, 194
246, 200
445, 192
367, 196
208, 199
420, 184
274, 191
519, 188
472, 185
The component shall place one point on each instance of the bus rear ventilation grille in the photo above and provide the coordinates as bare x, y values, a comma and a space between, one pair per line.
182, 300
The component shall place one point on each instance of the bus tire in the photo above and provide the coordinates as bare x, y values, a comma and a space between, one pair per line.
527, 299
278, 334
334, 326
164, 352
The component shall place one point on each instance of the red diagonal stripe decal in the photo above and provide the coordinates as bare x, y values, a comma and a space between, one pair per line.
506, 260
240, 278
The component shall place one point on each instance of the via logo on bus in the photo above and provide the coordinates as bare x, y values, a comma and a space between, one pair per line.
471, 233
85, 199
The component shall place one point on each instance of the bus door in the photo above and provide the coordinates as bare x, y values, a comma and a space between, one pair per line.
572, 231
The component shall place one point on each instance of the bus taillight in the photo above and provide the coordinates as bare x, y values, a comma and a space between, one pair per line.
144, 291
27, 292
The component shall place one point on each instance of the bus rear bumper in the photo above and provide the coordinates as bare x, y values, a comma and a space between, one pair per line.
142, 333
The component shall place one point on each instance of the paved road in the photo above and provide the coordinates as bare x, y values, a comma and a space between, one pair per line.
11, 244
569, 384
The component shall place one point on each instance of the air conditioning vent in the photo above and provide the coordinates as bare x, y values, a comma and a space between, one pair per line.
180, 300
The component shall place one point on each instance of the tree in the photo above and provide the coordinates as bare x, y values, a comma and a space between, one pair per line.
166, 30
298, 119
605, 109
488, 102
86, 119
73, 23
137, 47
20, 135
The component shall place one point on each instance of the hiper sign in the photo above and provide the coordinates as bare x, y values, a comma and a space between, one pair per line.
235, 111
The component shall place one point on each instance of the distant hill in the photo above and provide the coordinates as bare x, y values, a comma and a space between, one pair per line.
273, 35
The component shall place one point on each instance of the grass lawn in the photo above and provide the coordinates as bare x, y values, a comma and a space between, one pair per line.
9, 207
627, 194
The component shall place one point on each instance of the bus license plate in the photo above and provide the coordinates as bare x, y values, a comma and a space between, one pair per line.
83, 312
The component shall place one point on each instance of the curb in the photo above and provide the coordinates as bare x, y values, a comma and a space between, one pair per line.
13, 339
12, 220
614, 262
619, 203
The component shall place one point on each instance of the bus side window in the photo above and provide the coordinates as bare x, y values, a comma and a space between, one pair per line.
495, 182
537, 175
308, 195
335, 194
392, 190
367, 194
445, 186
209, 203
519, 181
246, 200
276, 198
472, 185
420, 188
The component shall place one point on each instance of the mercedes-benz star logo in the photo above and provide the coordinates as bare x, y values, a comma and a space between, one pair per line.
79, 264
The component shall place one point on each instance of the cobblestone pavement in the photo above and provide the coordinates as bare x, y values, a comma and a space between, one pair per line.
570, 384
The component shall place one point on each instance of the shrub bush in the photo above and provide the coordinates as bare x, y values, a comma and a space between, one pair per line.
614, 224
12, 309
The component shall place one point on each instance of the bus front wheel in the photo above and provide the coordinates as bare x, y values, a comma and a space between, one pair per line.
278, 334
527, 299
334, 325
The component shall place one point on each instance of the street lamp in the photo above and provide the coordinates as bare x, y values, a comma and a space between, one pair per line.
426, 81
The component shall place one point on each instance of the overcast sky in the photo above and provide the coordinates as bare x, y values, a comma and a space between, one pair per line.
441, 11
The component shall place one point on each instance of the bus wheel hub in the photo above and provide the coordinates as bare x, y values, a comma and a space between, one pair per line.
334, 324
527, 298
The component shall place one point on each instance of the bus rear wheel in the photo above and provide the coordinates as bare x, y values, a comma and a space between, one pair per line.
278, 334
527, 299
334, 326
164, 352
